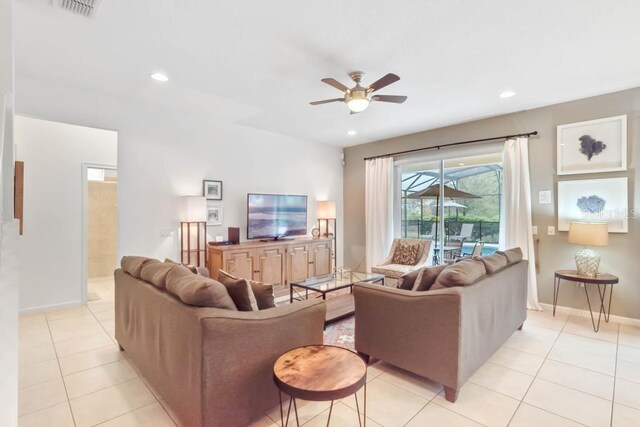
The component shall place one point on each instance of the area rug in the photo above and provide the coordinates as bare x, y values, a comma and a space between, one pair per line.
341, 333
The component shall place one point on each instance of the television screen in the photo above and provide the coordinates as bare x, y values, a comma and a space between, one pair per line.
276, 215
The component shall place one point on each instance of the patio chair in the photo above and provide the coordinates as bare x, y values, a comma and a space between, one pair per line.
430, 236
394, 271
476, 251
465, 233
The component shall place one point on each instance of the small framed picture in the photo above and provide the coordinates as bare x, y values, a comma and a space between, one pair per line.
212, 190
594, 200
215, 215
593, 146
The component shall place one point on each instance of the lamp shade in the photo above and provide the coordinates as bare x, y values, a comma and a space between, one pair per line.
194, 209
326, 210
589, 233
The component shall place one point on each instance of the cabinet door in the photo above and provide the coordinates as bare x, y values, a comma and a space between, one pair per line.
271, 265
240, 263
321, 257
298, 263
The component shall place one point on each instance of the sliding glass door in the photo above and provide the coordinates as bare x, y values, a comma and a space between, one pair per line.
468, 212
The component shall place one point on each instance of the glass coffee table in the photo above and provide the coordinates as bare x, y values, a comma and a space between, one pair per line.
340, 306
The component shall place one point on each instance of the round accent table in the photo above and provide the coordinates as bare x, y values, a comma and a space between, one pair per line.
320, 373
601, 280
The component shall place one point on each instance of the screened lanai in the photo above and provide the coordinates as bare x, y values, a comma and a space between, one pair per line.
481, 214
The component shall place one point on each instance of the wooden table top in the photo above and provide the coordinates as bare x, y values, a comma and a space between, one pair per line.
320, 372
573, 276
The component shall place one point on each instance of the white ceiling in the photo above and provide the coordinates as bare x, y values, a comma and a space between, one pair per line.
258, 63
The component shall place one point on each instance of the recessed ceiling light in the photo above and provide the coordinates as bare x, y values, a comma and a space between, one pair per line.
351, 132
507, 94
159, 77
460, 164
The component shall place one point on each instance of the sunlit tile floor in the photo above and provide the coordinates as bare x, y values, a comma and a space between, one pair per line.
555, 372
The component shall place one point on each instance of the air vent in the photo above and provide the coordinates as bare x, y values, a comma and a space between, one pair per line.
86, 8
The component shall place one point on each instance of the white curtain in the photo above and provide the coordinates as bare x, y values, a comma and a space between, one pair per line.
515, 219
378, 209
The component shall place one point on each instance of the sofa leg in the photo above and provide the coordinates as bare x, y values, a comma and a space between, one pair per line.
451, 394
366, 357
520, 327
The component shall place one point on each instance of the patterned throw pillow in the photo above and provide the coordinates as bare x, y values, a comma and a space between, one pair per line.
406, 254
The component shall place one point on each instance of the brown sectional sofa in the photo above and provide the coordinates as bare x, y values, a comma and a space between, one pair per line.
445, 334
213, 366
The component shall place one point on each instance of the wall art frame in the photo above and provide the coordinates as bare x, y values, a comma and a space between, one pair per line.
594, 200
592, 146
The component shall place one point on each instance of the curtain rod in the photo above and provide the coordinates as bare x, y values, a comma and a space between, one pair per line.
437, 147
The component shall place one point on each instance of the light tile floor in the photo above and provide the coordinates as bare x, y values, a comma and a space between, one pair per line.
555, 372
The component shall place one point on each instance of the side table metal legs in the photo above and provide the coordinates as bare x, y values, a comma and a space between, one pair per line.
602, 294
362, 422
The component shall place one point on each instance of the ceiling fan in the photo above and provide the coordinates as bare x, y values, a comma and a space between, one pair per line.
358, 98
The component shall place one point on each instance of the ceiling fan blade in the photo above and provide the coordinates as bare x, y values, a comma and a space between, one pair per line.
335, 83
326, 101
384, 81
389, 98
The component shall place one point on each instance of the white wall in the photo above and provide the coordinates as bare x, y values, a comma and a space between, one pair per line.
165, 153
8, 230
53, 154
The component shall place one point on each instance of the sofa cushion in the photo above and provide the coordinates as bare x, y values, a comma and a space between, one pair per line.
428, 277
133, 264
264, 294
393, 270
513, 255
406, 254
409, 279
463, 273
191, 267
239, 290
493, 263
155, 272
193, 289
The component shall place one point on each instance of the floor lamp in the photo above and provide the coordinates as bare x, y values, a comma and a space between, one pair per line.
193, 231
326, 211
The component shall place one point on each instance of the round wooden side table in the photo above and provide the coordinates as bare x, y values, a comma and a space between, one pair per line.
320, 373
601, 280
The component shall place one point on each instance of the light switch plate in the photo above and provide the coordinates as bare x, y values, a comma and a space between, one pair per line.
544, 197
551, 230
534, 229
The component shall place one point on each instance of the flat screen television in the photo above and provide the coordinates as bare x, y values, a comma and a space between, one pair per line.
273, 216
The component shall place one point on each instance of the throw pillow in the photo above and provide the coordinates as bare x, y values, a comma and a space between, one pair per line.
406, 254
409, 279
513, 255
493, 263
263, 294
133, 264
463, 273
193, 289
428, 277
155, 272
240, 291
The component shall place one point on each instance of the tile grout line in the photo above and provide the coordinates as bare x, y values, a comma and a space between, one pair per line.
73, 418
536, 375
615, 376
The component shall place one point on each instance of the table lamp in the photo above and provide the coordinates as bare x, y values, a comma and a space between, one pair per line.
588, 234
326, 210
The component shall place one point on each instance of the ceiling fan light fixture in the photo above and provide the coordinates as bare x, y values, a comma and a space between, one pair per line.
358, 104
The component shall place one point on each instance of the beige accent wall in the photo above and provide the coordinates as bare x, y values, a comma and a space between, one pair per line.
621, 258
103, 227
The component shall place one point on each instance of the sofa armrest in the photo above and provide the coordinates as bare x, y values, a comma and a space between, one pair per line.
417, 331
239, 351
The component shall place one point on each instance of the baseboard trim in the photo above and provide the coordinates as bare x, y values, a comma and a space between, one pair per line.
40, 309
585, 313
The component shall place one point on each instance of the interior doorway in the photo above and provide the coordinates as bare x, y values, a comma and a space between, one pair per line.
101, 207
